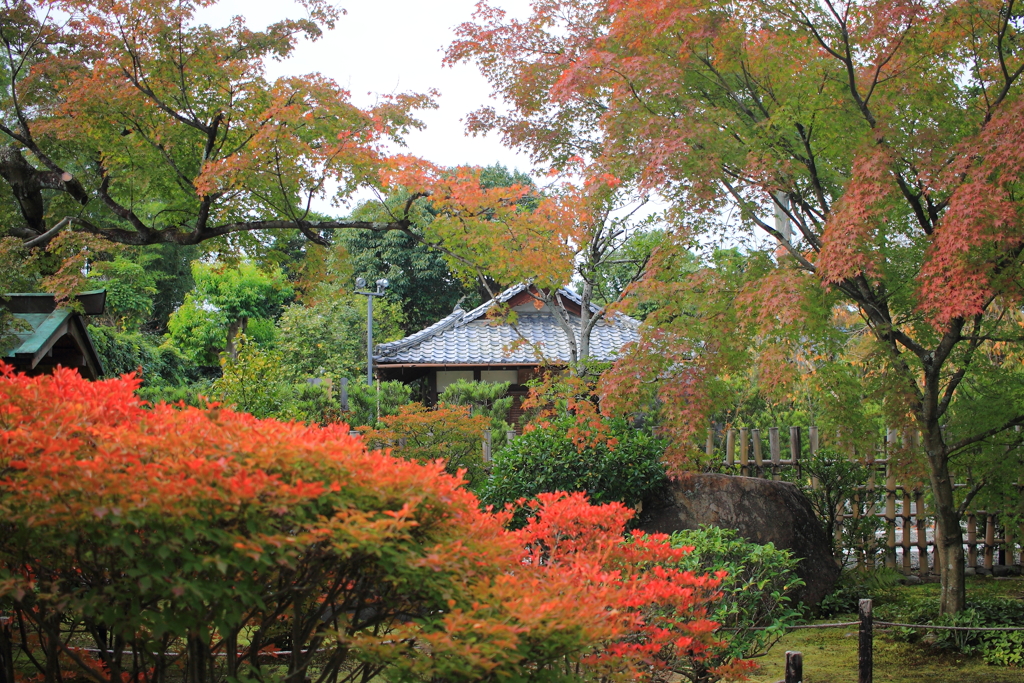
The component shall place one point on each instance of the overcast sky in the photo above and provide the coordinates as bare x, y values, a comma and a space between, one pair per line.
391, 46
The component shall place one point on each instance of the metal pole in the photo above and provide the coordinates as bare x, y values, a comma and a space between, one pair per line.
369, 341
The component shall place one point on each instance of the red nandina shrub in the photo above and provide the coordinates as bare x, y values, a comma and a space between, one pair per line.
142, 543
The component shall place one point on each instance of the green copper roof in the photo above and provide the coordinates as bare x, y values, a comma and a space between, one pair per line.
42, 326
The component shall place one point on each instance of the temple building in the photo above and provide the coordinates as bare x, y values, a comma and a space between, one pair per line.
470, 345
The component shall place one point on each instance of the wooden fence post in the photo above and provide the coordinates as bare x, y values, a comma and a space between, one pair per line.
709, 447
794, 667
510, 435
865, 663
755, 436
730, 447
744, 452
990, 540
890, 517
487, 445
905, 540
812, 440
344, 394
775, 448
923, 564
972, 541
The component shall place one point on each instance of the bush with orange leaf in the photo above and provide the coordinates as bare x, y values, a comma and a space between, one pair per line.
150, 543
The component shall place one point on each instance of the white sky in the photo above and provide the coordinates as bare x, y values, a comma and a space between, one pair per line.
392, 46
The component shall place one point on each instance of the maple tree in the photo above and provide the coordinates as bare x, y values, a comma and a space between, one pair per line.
135, 122
511, 234
883, 133
150, 543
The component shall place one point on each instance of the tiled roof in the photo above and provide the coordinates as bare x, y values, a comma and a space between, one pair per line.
471, 338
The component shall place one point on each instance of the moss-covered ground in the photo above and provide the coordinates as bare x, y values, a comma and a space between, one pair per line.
830, 655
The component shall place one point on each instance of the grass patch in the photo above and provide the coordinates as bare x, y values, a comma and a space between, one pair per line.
830, 655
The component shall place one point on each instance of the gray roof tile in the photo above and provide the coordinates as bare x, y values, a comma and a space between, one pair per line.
471, 338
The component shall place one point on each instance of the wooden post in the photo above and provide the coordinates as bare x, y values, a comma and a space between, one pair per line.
344, 393
487, 445
890, 517
794, 667
730, 447
812, 439
861, 550
972, 541
775, 448
510, 435
794, 445
990, 540
924, 566
905, 541
755, 436
1010, 545
865, 663
744, 452
709, 447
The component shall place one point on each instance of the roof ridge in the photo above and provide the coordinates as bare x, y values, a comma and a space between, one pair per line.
460, 317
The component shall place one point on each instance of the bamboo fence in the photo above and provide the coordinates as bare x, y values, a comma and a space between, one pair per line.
906, 540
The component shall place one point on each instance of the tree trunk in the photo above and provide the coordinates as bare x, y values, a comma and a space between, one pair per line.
234, 329
949, 540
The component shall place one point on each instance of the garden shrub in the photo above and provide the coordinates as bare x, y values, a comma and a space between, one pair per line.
757, 581
879, 584
447, 433
257, 382
483, 398
1004, 648
839, 481
546, 459
161, 363
368, 404
178, 543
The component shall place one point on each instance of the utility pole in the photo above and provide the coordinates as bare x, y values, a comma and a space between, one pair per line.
382, 284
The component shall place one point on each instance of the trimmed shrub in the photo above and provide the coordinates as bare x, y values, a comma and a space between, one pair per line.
625, 469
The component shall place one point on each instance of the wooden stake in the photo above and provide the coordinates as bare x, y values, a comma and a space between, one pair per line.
865, 656
744, 453
794, 667
755, 436
775, 448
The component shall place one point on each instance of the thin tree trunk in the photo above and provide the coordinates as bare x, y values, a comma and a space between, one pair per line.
949, 540
236, 328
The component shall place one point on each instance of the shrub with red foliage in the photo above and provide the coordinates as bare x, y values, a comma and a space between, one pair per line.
143, 542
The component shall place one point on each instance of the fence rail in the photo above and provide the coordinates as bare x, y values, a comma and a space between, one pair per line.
992, 546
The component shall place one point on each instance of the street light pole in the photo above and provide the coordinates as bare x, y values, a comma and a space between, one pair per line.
382, 284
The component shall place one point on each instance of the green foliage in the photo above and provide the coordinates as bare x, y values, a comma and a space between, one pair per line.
447, 433
258, 383
161, 363
837, 480
368, 404
757, 579
418, 277
222, 304
879, 584
1004, 648
131, 286
545, 459
483, 398
328, 337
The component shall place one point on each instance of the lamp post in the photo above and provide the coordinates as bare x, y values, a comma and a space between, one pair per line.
382, 284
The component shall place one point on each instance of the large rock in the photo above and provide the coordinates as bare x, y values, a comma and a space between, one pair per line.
760, 510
